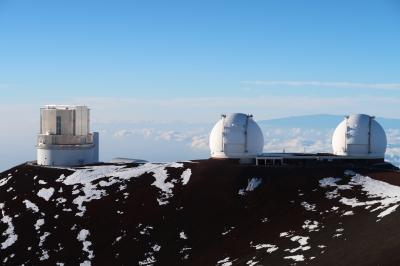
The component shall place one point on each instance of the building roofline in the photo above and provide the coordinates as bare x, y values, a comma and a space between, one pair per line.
63, 106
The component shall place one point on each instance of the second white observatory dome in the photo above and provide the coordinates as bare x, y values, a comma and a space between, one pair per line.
236, 136
359, 135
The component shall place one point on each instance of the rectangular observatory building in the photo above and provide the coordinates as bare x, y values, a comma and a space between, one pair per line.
65, 138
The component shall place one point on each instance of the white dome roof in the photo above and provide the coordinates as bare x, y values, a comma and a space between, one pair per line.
236, 136
359, 135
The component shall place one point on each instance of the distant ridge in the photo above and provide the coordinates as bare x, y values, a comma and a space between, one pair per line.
319, 121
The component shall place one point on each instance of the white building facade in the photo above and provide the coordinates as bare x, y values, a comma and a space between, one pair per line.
65, 138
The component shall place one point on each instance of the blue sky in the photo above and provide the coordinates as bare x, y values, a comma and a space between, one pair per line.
187, 61
56, 50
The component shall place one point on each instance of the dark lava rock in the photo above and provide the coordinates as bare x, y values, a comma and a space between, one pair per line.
210, 212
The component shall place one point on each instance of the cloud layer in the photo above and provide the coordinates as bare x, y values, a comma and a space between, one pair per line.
341, 85
311, 140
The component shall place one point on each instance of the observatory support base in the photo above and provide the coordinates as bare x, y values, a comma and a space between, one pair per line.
65, 155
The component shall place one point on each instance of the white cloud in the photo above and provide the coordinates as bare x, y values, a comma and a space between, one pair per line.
145, 132
199, 143
191, 136
309, 140
343, 84
297, 140
276, 140
393, 136
171, 135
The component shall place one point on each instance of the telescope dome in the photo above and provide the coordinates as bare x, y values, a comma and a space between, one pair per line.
236, 136
359, 135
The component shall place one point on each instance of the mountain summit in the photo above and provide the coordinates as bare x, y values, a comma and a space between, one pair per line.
209, 212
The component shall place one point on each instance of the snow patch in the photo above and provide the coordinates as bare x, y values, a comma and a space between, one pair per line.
39, 223
4, 180
311, 226
285, 234
46, 193
147, 261
388, 211
348, 213
43, 238
308, 206
295, 258
9, 232
61, 201
182, 235
161, 175
382, 194
225, 262
82, 237
156, 248
31, 206
186, 176
252, 184
175, 165
86, 176
252, 262
228, 231
146, 230
45, 253
329, 182
302, 240
270, 248
150, 259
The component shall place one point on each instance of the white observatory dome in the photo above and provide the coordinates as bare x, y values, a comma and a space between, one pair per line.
359, 135
236, 136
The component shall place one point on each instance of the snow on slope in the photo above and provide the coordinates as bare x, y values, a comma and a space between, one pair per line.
85, 178
9, 232
252, 184
381, 195
87, 184
150, 201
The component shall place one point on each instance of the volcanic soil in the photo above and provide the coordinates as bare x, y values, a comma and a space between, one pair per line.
206, 212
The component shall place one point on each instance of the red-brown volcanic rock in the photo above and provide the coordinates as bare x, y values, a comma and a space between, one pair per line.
226, 214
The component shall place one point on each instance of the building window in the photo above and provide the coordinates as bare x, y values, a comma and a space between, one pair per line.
58, 125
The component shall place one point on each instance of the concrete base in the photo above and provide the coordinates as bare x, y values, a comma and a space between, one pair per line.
66, 156
69, 155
